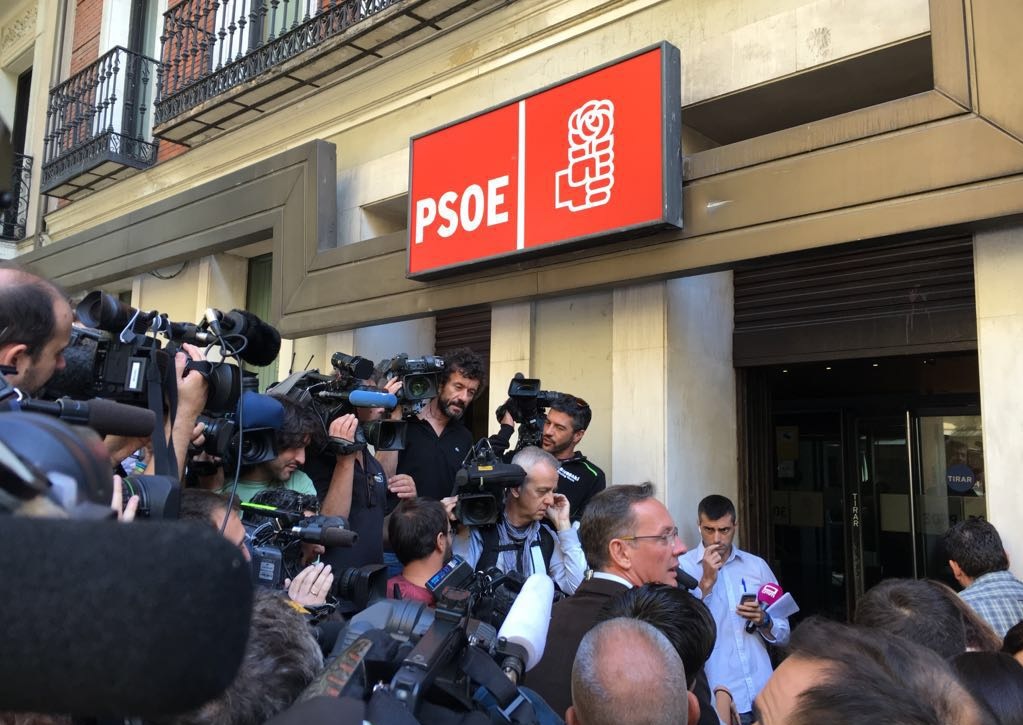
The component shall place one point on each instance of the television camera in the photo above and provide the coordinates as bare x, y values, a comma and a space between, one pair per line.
480, 485
527, 404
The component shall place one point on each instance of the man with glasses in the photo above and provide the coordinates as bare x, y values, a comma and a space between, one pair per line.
729, 582
420, 533
629, 539
579, 479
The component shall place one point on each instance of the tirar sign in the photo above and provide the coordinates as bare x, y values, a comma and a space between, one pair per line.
584, 162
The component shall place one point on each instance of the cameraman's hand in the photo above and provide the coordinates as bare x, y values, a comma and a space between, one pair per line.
192, 387
311, 585
449, 503
125, 514
344, 427
393, 386
559, 513
402, 486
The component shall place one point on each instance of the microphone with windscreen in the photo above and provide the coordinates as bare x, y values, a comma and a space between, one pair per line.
769, 593
115, 620
523, 636
104, 416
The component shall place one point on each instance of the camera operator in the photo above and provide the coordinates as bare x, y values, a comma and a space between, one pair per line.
290, 440
420, 534
578, 478
35, 327
211, 509
437, 440
358, 489
521, 532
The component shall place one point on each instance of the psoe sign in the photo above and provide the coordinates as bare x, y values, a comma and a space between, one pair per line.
586, 161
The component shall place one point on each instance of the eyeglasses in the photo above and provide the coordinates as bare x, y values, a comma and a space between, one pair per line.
666, 539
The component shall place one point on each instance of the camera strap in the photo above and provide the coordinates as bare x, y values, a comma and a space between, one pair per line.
481, 668
163, 457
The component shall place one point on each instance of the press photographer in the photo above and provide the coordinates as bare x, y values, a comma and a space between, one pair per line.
35, 327
533, 531
420, 534
437, 440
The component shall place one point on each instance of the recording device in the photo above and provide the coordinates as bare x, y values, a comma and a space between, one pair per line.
527, 404
767, 595
104, 416
275, 541
119, 620
261, 416
410, 663
685, 581
420, 378
331, 396
480, 485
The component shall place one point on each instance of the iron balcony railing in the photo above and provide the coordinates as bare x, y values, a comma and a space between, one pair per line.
211, 46
100, 114
14, 217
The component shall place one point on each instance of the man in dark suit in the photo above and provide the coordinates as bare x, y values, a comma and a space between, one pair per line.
629, 539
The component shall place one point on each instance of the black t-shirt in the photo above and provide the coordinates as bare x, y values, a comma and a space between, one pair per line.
433, 460
580, 481
371, 502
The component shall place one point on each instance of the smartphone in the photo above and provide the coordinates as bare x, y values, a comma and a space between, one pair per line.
748, 599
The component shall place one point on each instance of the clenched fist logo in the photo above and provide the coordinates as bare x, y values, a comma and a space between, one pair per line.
587, 181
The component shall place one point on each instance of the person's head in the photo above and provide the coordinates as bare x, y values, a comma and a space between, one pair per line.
1013, 642
979, 635
460, 382
35, 327
627, 532
419, 529
567, 420
677, 614
207, 507
995, 679
974, 548
281, 659
299, 428
530, 501
716, 519
916, 610
627, 673
846, 675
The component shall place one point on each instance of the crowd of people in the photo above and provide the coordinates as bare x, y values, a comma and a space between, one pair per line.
642, 630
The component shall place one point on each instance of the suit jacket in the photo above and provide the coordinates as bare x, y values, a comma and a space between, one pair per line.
571, 619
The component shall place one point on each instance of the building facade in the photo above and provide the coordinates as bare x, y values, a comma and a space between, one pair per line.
829, 338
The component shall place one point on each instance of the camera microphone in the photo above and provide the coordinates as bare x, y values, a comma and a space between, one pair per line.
325, 530
523, 635
104, 416
362, 398
769, 593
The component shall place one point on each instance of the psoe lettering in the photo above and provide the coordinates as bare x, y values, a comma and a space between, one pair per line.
465, 210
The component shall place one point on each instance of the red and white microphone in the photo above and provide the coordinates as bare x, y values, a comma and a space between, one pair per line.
769, 594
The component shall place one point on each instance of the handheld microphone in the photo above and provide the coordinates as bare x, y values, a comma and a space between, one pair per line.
523, 635
104, 416
119, 620
769, 593
685, 581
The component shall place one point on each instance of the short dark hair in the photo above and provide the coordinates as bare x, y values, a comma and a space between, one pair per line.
575, 408
608, 516
870, 676
281, 658
976, 547
715, 507
198, 504
463, 360
1013, 641
413, 526
677, 614
26, 309
995, 679
916, 610
300, 427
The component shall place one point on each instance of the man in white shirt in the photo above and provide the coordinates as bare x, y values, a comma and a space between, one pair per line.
740, 660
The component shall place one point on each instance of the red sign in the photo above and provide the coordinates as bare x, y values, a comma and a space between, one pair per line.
583, 161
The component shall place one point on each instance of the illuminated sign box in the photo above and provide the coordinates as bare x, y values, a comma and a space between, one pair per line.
589, 160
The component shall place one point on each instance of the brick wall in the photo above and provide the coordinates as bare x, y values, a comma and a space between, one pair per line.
85, 46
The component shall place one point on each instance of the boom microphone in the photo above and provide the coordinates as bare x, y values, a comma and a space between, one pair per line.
526, 625
119, 620
104, 416
363, 398
769, 593
325, 530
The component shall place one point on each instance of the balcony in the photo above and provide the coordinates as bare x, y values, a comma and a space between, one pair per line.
227, 62
15, 215
97, 125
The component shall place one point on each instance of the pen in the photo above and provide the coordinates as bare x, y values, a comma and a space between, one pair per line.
743, 585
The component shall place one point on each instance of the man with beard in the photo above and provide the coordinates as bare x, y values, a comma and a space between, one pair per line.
420, 534
522, 540
436, 440
578, 478
35, 327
